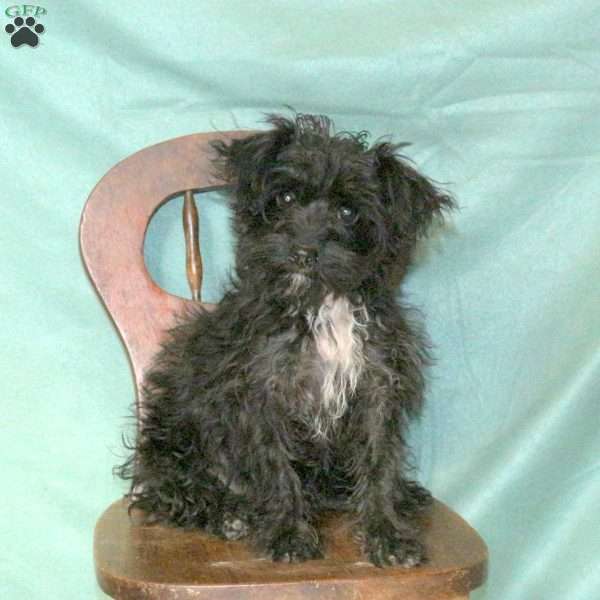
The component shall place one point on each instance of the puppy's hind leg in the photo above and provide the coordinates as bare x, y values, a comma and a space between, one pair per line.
231, 520
413, 498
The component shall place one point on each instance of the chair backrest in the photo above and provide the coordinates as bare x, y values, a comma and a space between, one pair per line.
113, 226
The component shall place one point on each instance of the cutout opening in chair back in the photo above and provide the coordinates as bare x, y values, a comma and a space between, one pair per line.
165, 246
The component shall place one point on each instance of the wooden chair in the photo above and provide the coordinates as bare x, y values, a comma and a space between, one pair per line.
134, 561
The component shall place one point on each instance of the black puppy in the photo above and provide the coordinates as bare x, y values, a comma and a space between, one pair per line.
294, 394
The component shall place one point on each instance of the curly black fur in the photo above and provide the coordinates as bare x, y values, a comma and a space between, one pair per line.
294, 394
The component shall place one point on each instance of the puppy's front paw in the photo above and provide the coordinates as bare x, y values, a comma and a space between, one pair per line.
295, 544
388, 547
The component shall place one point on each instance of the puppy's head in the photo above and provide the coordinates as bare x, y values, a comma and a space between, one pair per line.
320, 210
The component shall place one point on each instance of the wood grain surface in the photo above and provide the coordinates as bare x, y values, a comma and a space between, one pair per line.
130, 556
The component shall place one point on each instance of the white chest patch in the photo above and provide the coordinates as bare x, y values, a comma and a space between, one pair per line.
339, 332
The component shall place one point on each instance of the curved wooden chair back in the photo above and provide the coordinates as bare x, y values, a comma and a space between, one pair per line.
113, 227
136, 561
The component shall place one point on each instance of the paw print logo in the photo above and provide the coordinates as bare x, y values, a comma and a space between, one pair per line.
24, 32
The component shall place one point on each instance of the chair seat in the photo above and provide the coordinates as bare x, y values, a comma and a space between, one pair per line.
135, 561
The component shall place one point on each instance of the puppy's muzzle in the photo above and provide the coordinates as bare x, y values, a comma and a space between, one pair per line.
305, 257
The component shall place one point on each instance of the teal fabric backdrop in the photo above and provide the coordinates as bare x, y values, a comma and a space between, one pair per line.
500, 99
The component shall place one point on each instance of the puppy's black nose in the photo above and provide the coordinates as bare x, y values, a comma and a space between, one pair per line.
304, 256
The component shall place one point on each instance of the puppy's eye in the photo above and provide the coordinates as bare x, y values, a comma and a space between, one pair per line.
348, 215
286, 199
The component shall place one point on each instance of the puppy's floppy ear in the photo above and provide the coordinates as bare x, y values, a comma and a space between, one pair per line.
245, 162
411, 199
